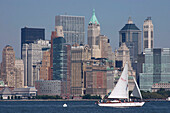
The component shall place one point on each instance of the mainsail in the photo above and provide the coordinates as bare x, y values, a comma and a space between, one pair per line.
136, 92
121, 89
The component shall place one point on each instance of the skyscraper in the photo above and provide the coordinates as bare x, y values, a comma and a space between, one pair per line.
73, 28
93, 30
7, 67
148, 39
156, 68
79, 54
29, 35
131, 36
62, 65
32, 57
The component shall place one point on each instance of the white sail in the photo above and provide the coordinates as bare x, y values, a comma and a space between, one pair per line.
121, 89
136, 91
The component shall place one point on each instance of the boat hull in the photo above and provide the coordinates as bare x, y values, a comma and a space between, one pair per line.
122, 104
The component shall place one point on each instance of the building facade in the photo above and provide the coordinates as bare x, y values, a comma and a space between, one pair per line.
8, 66
48, 87
29, 35
131, 36
148, 38
45, 67
19, 69
79, 54
156, 68
32, 57
73, 28
93, 30
62, 65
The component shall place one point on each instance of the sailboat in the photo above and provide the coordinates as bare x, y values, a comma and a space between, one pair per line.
121, 91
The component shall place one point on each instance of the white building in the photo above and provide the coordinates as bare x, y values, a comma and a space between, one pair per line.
32, 55
148, 39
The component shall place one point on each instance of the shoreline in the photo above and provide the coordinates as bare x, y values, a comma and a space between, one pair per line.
146, 100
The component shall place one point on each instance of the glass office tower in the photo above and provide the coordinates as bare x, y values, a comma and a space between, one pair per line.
156, 68
73, 28
62, 65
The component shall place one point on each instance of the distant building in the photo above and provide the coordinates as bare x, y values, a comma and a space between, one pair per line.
157, 86
32, 57
28, 92
148, 38
62, 65
7, 93
79, 54
19, 78
73, 28
48, 87
8, 66
45, 67
156, 68
131, 36
29, 35
95, 77
93, 30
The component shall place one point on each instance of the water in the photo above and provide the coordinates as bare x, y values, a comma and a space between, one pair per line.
77, 107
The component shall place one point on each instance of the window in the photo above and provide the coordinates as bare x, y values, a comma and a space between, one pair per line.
145, 34
123, 37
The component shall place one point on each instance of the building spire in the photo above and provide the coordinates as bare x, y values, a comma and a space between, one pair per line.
130, 20
93, 19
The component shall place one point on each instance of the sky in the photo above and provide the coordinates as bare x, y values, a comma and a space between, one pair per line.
111, 14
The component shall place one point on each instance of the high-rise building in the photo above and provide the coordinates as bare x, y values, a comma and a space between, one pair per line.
131, 36
148, 39
79, 54
95, 77
8, 66
62, 65
45, 67
29, 35
32, 57
93, 30
73, 28
156, 68
19, 69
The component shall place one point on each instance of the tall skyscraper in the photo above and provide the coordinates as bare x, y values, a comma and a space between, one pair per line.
73, 28
29, 35
57, 33
62, 65
156, 68
131, 36
7, 67
148, 39
93, 30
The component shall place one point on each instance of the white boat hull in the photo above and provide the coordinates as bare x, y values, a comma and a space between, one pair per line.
122, 104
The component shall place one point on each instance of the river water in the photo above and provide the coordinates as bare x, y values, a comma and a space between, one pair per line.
77, 107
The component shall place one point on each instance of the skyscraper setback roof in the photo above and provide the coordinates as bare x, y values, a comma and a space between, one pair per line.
130, 25
93, 19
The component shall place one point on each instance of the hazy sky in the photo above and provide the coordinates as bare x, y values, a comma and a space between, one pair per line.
111, 14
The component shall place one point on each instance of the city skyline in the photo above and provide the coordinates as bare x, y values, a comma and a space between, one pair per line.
112, 18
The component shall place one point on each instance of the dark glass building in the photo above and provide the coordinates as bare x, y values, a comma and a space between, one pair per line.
29, 35
131, 36
62, 65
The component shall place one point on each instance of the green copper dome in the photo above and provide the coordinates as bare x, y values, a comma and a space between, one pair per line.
93, 19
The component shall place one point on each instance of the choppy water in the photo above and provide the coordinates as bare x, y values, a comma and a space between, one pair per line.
77, 107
